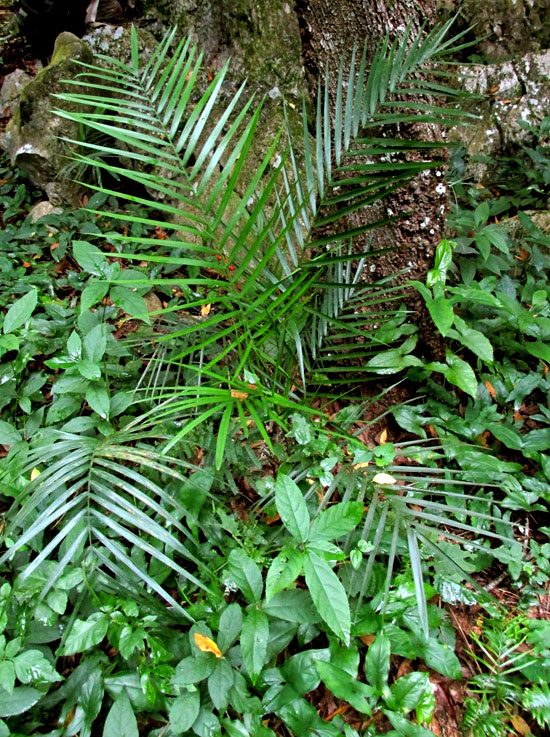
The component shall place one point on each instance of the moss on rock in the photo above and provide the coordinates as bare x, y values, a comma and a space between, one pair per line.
34, 134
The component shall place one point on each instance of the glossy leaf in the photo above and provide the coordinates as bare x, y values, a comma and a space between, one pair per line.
254, 638
328, 595
377, 663
344, 686
20, 311
86, 633
292, 508
121, 720
283, 571
183, 711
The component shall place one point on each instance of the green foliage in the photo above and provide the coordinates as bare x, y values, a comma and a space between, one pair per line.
507, 668
196, 543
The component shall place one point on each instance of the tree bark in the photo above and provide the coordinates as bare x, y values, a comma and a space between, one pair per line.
329, 28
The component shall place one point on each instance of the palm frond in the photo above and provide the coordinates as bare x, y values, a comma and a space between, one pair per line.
278, 305
102, 494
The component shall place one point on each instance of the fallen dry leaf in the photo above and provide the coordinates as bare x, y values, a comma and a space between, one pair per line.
206, 645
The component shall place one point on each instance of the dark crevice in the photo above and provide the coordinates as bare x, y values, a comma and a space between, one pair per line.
301, 7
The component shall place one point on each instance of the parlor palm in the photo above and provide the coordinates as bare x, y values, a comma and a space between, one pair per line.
271, 305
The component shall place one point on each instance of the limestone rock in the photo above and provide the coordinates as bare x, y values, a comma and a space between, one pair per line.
12, 87
514, 96
506, 28
34, 133
42, 209
116, 41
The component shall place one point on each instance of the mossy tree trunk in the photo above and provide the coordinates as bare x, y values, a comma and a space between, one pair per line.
329, 28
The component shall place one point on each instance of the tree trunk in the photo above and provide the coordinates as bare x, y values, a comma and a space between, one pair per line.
329, 28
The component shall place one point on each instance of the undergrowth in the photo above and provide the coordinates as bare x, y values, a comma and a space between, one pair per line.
202, 532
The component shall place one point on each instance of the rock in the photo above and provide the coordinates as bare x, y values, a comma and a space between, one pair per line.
10, 93
34, 134
152, 301
42, 209
116, 41
506, 28
513, 97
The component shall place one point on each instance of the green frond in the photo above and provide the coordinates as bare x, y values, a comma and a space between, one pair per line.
102, 494
280, 307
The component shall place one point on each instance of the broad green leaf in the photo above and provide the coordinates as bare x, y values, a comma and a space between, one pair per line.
328, 595
300, 671
336, 521
95, 343
89, 257
406, 728
207, 724
481, 213
391, 361
98, 399
8, 433
18, 702
474, 340
539, 349
62, 407
129, 302
292, 508
121, 720
7, 675
93, 292
377, 663
443, 260
86, 633
461, 374
74, 346
442, 659
344, 686
254, 638
20, 311
510, 437
292, 605
194, 669
301, 429
497, 237
231, 622
220, 682
33, 667
88, 370
283, 571
131, 639
408, 692
183, 711
441, 312
537, 440
244, 572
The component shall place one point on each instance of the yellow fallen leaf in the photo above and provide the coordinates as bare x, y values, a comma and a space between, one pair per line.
35, 473
384, 479
520, 725
205, 310
383, 437
238, 395
363, 464
206, 645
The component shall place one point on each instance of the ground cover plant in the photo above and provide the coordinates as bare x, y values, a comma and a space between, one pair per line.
204, 532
